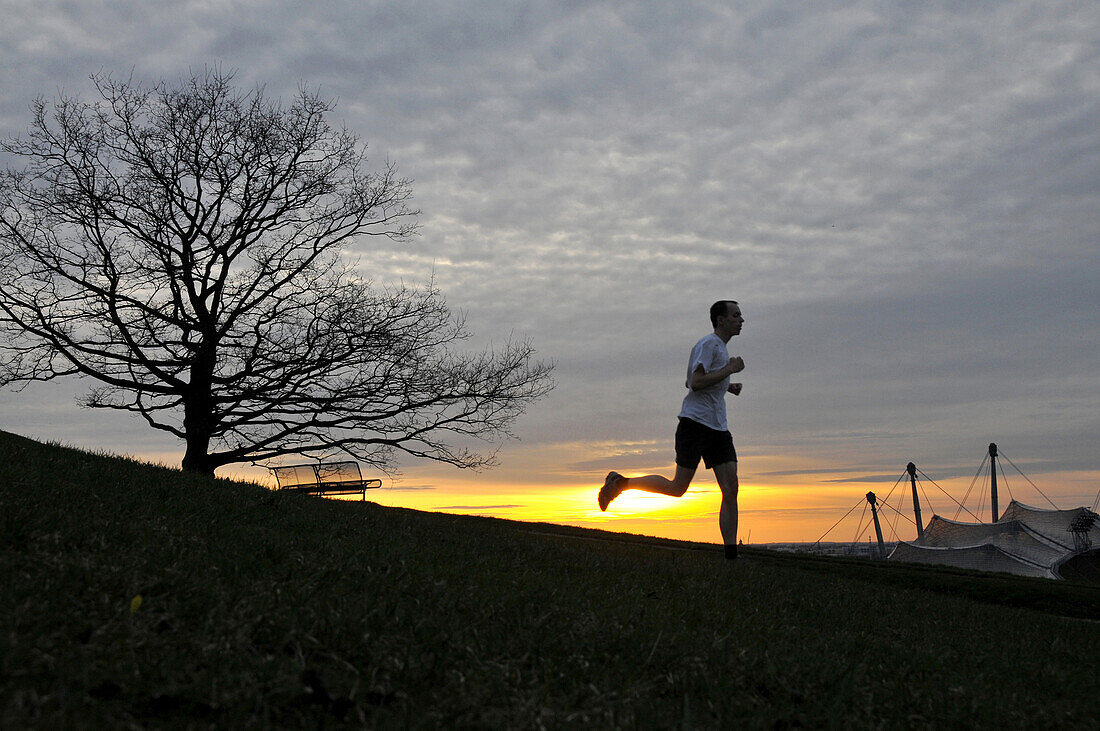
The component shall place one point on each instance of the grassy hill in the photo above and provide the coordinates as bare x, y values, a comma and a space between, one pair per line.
265, 609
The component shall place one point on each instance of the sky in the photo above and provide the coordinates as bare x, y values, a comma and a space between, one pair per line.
904, 198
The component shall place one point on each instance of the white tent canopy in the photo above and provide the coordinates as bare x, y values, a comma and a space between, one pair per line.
1026, 541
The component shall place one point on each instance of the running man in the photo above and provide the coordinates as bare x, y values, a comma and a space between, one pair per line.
703, 431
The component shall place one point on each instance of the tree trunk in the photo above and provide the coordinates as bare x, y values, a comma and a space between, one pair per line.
198, 415
196, 459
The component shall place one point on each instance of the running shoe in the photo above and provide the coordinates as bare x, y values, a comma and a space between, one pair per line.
610, 489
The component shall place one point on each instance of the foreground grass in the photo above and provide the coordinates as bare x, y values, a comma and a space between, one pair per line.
262, 609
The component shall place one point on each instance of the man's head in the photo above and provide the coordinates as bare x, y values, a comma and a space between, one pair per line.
721, 308
725, 316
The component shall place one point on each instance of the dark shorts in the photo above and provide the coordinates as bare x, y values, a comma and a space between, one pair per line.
694, 440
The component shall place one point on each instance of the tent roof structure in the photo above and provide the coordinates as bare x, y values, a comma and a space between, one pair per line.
1026, 541
984, 557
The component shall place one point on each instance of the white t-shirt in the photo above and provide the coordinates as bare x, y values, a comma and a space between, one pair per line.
708, 405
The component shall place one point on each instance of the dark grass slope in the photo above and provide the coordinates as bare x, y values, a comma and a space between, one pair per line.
263, 609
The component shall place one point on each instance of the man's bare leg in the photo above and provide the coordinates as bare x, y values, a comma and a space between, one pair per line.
676, 487
726, 474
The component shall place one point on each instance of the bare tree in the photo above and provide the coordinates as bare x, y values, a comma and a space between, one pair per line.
184, 246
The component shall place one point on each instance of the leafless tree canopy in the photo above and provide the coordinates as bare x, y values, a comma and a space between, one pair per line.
181, 246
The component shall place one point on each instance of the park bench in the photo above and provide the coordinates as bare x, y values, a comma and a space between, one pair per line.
324, 478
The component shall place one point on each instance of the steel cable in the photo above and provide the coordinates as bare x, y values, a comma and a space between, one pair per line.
962, 505
1034, 485
838, 523
945, 492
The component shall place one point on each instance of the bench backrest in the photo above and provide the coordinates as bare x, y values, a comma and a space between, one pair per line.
320, 473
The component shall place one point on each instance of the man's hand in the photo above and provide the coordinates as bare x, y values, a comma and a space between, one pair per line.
735, 389
700, 379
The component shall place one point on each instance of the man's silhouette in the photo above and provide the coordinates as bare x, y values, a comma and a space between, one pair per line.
703, 431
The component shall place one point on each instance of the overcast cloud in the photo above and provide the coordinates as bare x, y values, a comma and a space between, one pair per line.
904, 197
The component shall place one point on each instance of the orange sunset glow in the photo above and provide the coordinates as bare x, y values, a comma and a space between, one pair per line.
769, 511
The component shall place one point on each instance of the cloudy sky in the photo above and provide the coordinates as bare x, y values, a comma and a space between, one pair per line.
904, 197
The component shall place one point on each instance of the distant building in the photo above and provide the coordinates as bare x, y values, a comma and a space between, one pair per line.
855, 549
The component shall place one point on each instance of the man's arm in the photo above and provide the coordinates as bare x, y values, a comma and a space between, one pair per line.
700, 379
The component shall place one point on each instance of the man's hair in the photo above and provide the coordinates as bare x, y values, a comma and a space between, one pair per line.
718, 309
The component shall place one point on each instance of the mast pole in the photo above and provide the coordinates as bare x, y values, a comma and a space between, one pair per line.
878, 528
993, 479
912, 470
